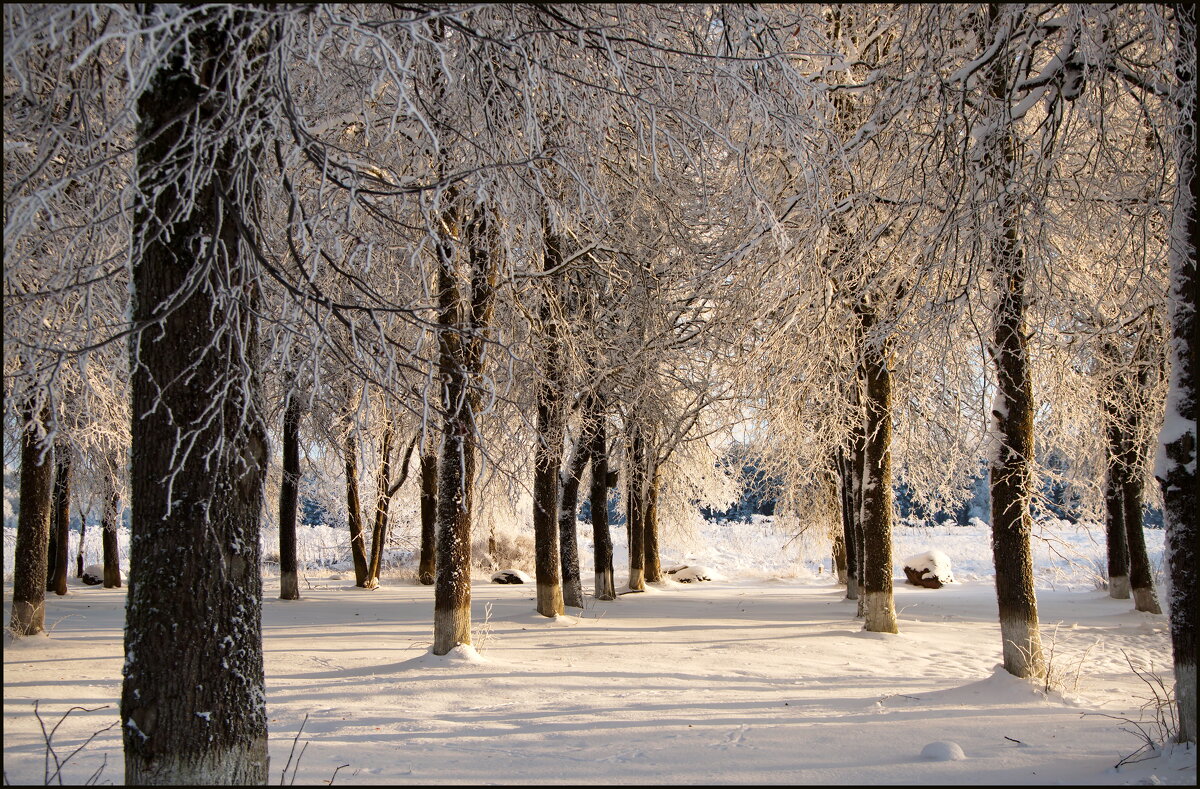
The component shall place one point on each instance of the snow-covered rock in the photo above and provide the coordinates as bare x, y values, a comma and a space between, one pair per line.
930, 569
511, 576
686, 573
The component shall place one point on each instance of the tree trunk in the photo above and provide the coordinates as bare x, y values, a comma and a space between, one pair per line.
547, 452
880, 608
358, 550
652, 564
1011, 467
108, 536
193, 698
289, 496
28, 615
427, 564
1114, 520
60, 524
82, 537
847, 501
567, 506
1175, 466
634, 513
382, 505
602, 548
1141, 576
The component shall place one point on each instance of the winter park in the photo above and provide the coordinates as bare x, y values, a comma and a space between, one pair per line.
599, 394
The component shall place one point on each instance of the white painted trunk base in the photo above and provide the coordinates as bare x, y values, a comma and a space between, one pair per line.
852, 589
1118, 587
27, 619
451, 628
637, 579
606, 589
289, 589
1022, 648
550, 600
879, 611
1146, 600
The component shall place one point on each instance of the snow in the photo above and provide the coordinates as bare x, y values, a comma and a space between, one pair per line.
762, 675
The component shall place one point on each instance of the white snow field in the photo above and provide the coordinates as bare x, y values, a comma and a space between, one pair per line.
760, 676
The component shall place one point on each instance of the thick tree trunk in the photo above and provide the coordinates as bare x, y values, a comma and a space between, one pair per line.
82, 538
60, 523
108, 537
1175, 466
289, 499
880, 608
28, 615
1011, 468
547, 453
602, 548
634, 512
568, 504
1141, 575
427, 564
193, 699
358, 550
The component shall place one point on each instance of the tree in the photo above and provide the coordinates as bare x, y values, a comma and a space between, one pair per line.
289, 498
193, 699
33, 529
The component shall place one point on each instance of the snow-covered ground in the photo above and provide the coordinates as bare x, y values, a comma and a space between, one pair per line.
762, 675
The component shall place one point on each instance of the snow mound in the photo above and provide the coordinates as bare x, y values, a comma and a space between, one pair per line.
463, 653
943, 751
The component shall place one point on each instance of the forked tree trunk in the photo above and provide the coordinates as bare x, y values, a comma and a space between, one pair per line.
108, 538
1176, 463
60, 524
879, 607
568, 504
634, 514
289, 498
427, 564
28, 615
193, 700
602, 548
382, 505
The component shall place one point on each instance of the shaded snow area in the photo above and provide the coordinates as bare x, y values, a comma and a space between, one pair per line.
761, 675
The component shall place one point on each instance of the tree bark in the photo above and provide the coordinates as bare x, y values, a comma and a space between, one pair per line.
1175, 466
568, 504
382, 504
634, 513
427, 564
1114, 510
358, 550
602, 548
108, 536
652, 564
289, 499
28, 616
60, 524
193, 698
880, 608
848, 530
547, 453
1011, 468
